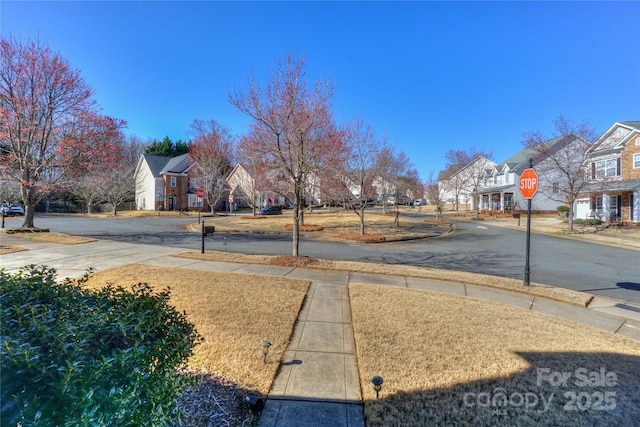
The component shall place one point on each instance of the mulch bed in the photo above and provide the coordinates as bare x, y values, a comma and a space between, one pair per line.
307, 227
27, 230
294, 261
215, 401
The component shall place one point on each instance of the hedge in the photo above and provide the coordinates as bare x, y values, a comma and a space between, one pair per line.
75, 357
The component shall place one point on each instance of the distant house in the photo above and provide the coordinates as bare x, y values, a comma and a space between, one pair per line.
498, 190
247, 192
162, 183
613, 175
458, 185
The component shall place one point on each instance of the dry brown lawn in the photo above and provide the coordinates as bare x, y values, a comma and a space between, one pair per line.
234, 313
447, 360
52, 237
8, 249
337, 223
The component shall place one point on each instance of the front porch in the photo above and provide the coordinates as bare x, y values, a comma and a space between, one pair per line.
493, 202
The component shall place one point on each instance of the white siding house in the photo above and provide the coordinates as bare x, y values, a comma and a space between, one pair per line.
149, 182
499, 189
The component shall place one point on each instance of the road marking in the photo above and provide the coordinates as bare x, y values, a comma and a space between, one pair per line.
483, 227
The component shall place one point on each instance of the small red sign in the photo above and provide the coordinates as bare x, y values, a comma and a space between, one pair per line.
528, 183
200, 193
230, 198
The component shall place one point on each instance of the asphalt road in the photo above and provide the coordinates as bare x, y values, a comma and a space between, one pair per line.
573, 264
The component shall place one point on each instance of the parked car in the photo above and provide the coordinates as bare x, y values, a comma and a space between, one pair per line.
12, 210
270, 210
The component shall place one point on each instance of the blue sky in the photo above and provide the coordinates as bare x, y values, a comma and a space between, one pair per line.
433, 76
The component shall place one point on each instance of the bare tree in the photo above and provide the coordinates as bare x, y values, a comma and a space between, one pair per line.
464, 169
118, 183
212, 149
560, 160
435, 193
297, 132
395, 170
360, 168
111, 180
49, 124
9, 190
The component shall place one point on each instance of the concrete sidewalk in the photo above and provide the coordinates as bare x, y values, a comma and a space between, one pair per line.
317, 383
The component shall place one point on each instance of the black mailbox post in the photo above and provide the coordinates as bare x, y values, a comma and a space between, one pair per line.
517, 216
207, 230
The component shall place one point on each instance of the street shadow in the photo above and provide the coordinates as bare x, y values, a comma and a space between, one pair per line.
629, 285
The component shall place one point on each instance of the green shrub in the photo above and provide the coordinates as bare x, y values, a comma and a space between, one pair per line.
588, 221
75, 357
563, 211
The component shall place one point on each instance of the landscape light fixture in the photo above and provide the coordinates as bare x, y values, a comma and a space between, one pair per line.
265, 350
256, 403
377, 384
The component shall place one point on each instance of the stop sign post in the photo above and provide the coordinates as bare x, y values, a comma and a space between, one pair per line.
200, 194
528, 183
528, 189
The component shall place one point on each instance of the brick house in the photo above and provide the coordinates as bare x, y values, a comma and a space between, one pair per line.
163, 183
613, 174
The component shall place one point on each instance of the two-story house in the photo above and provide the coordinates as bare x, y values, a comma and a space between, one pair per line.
257, 192
460, 185
498, 190
162, 183
613, 175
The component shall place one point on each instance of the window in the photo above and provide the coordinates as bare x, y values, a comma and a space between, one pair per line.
173, 181
596, 205
611, 167
600, 169
193, 201
636, 161
508, 199
555, 187
605, 168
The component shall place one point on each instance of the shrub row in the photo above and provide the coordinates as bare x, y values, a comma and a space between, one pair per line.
587, 221
75, 357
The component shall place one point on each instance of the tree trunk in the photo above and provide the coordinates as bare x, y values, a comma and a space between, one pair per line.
362, 222
296, 222
29, 199
571, 201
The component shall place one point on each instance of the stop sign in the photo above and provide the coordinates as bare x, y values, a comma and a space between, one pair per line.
200, 193
528, 183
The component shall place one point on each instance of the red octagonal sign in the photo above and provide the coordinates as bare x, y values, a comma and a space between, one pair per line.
528, 183
200, 193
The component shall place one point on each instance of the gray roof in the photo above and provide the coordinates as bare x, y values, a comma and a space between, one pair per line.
609, 186
156, 163
520, 160
635, 125
497, 189
178, 164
